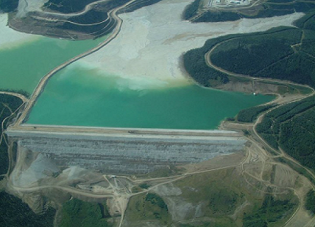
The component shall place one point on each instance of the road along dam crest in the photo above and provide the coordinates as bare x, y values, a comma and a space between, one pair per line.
123, 151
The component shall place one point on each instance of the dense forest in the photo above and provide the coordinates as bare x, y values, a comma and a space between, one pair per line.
71, 6
286, 55
269, 213
95, 20
196, 66
250, 54
8, 5
67, 6
250, 114
267, 9
15, 213
282, 53
98, 18
76, 213
137, 5
191, 10
8, 104
200, 72
310, 201
292, 128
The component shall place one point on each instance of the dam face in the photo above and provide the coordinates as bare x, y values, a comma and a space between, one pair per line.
125, 151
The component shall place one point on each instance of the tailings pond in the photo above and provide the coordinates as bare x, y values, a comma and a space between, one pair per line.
24, 64
84, 97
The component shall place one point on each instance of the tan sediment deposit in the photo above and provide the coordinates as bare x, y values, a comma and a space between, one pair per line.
146, 53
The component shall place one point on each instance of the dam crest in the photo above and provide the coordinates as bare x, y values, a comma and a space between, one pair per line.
123, 150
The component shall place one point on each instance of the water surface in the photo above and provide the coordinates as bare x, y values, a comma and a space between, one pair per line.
22, 66
83, 97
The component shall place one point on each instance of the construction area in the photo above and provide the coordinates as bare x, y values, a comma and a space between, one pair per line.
226, 3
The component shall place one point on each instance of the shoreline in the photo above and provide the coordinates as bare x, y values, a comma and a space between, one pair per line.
10, 38
170, 69
149, 47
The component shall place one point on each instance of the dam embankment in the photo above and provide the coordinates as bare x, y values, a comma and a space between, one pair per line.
124, 151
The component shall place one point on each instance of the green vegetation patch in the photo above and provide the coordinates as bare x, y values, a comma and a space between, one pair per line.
78, 213
8, 104
138, 4
67, 6
96, 16
307, 21
292, 127
251, 114
94, 21
8, 5
195, 65
71, 6
250, 54
269, 213
281, 53
218, 16
243, 53
310, 201
217, 223
223, 193
15, 213
148, 207
223, 198
191, 10
285, 55
144, 185
218, 193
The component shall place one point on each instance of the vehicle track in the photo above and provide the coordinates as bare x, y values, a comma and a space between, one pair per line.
260, 117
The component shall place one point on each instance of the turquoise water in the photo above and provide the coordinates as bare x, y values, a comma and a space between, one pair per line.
84, 97
25, 64
78, 96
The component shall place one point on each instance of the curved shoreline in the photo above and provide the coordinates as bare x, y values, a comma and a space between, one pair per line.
42, 83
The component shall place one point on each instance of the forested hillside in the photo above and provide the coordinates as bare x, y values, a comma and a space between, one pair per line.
280, 53
292, 128
8, 5
8, 104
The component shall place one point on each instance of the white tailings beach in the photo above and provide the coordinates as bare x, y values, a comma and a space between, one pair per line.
26, 6
146, 53
9, 37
